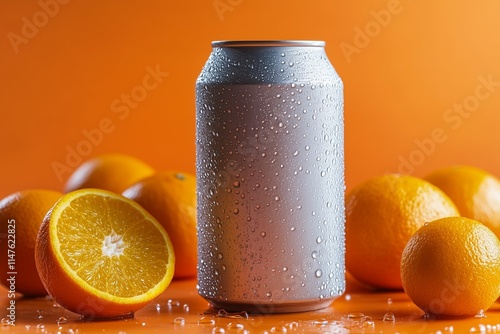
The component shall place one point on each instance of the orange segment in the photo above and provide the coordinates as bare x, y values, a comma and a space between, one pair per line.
99, 247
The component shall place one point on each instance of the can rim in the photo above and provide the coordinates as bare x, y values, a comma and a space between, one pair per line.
267, 43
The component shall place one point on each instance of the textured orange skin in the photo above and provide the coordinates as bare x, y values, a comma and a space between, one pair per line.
172, 201
113, 172
381, 215
475, 192
27, 208
451, 267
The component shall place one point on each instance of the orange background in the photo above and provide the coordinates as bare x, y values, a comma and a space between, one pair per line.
405, 64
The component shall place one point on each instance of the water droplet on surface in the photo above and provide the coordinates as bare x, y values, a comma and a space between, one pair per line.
236, 325
206, 321
480, 314
236, 184
318, 273
220, 256
218, 330
6, 322
236, 211
355, 315
185, 307
295, 153
278, 329
62, 320
172, 302
263, 234
319, 240
389, 317
314, 255
389, 301
179, 321
320, 322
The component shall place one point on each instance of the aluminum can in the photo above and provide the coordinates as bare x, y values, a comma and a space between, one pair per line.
270, 177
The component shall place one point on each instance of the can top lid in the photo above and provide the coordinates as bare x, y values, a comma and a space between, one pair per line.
267, 43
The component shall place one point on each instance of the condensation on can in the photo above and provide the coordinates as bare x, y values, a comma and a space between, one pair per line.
270, 177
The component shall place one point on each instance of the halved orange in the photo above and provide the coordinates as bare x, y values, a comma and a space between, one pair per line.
102, 255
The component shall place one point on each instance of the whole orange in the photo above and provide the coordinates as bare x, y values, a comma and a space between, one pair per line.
382, 214
451, 267
475, 192
113, 172
170, 197
21, 215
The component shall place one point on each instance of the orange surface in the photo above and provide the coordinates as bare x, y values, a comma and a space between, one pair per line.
422, 79
182, 301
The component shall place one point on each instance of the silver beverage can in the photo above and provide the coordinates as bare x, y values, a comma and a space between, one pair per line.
270, 177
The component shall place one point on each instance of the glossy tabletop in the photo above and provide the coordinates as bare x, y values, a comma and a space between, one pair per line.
180, 308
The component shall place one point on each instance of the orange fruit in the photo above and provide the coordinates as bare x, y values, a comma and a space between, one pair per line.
382, 214
475, 192
102, 255
113, 171
451, 267
21, 214
171, 198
